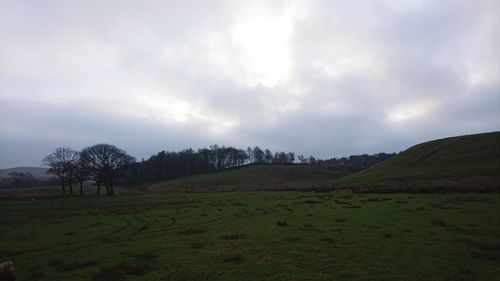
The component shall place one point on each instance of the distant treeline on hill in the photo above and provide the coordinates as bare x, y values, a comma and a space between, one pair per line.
169, 165
106, 164
353, 163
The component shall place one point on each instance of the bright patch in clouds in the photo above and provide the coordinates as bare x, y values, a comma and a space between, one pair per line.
264, 46
410, 112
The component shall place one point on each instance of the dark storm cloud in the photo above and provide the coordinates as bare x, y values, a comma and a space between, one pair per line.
327, 78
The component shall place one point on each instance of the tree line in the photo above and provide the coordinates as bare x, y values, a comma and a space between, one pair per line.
351, 164
106, 164
169, 165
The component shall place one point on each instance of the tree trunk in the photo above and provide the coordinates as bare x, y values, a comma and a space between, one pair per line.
111, 187
81, 186
106, 184
70, 183
63, 184
98, 187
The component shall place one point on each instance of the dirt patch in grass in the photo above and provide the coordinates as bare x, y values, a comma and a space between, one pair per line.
146, 256
439, 223
64, 267
281, 223
190, 231
291, 239
235, 236
196, 245
234, 258
327, 240
120, 271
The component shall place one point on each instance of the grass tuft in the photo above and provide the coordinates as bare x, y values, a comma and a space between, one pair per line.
281, 223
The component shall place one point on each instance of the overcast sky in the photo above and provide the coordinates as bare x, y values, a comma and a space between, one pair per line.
322, 78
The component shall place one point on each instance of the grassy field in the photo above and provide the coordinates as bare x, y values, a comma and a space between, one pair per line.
470, 162
254, 236
255, 178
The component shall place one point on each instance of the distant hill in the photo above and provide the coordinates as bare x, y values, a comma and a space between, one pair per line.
36, 172
470, 162
254, 177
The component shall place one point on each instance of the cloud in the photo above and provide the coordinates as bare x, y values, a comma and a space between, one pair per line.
327, 78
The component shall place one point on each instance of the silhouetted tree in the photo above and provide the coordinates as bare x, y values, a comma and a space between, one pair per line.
16, 177
81, 172
311, 160
302, 159
249, 155
258, 155
105, 161
63, 162
268, 156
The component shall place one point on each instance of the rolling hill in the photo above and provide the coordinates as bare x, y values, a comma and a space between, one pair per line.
254, 177
470, 162
36, 172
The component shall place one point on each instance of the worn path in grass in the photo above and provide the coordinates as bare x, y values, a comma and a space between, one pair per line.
254, 236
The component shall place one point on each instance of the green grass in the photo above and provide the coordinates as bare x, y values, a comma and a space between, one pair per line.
254, 236
254, 177
470, 162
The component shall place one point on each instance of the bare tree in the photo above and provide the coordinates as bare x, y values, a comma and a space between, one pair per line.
63, 162
105, 162
268, 156
81, 172
16, 176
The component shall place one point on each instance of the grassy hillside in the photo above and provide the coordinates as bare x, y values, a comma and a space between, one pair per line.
254, 177
471, 161
36, 172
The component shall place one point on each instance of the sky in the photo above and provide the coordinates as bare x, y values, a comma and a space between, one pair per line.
322, 78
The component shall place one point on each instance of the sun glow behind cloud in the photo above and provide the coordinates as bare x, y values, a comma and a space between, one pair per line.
177, 112
410, 112
263, 44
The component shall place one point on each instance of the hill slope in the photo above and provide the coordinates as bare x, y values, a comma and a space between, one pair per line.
463, 162
36, 172
254, 177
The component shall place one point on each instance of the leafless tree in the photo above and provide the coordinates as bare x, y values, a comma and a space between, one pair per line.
105, 162
63, 162
16, 176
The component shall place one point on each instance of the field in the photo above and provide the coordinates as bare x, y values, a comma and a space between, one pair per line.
254, 236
